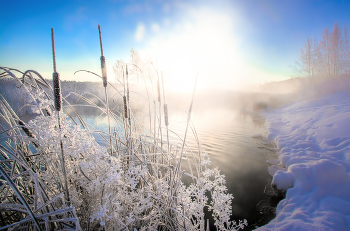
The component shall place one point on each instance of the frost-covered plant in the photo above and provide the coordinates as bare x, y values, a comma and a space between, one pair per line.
139, 186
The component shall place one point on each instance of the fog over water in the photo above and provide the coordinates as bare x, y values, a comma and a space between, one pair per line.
224, 124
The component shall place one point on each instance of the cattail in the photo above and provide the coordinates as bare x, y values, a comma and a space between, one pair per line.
128, 95
158, 88
127, 82
48, 111
57, 91
56, 76
58, 105
125, 107
166, 115
28, 133
104, 72
103, 61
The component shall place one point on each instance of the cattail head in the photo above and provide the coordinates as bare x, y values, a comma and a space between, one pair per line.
104, 71
47, 110
103, 61
127, 83
166, 118
125, 107
158, 88
28, 132
57, 91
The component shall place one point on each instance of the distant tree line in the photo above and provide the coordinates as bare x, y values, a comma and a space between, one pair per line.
16, 96
328, 58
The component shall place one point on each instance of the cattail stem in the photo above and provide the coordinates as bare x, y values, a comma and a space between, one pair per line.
130, 144
105, 83
53, 49
128, 95
58, 106
160, 117
166, 117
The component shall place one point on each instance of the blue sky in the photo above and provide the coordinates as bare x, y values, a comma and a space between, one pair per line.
228, 42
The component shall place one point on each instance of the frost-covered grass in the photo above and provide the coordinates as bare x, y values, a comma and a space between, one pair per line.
135, 181
313, 141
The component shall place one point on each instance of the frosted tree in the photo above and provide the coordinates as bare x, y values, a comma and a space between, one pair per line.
118, 70
329, 58
346, 53
336, 46
333, 52
310, 58
326, 56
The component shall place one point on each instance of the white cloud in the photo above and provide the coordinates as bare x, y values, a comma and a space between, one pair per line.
140, 32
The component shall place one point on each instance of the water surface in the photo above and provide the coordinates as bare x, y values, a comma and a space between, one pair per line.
226, 135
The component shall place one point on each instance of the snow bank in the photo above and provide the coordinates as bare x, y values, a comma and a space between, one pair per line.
313, 139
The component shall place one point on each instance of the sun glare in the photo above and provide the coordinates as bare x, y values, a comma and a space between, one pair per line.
203, 44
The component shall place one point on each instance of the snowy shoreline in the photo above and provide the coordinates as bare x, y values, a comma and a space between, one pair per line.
313, 143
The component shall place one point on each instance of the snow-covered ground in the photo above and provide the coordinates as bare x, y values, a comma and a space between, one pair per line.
313, 143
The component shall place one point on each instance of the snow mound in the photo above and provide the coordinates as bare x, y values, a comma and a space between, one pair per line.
283, 180
313, 139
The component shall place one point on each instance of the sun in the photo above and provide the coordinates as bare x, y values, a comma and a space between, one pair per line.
203, 44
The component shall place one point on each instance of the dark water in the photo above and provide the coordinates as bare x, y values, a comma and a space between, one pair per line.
227, 137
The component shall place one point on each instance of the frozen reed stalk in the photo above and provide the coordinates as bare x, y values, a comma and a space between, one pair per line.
178, 166
128, 95
103, 61
160, 114
58, 105
166, 117
104, 79
20, 197
28, 133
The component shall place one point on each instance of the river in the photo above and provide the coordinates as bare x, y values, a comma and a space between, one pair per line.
225, 133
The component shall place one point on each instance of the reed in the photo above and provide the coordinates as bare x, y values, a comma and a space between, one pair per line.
38, 204
129, 183
104, 80
58, 106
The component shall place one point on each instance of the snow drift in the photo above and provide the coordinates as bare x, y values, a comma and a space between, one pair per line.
313, 139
